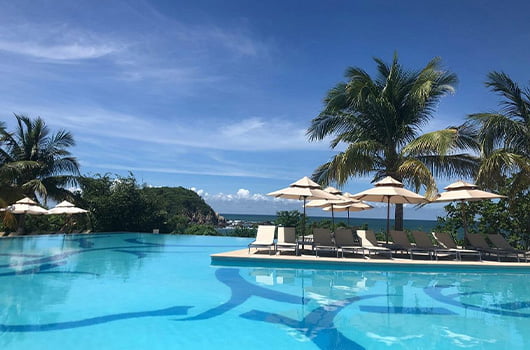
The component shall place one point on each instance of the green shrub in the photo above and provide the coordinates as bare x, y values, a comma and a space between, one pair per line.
201, 230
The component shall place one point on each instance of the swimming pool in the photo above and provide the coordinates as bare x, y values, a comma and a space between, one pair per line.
142, 291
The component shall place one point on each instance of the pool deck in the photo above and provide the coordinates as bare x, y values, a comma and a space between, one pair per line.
255, 257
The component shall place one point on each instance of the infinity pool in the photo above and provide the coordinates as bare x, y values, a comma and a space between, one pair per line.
142, 291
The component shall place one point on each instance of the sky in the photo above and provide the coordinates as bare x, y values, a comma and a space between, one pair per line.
216, 96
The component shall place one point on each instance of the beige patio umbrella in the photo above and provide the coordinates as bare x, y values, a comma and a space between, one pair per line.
66, 207
390, 190
357, 205
303, 189
322, 203
25, 206
465, 191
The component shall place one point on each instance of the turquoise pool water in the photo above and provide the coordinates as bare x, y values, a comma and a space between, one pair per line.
141, 291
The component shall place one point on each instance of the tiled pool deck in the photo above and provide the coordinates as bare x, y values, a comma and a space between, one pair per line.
243, 256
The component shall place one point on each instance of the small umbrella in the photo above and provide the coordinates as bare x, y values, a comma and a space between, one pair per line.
465, 191
66, 207
357, 205
389, 190
302, 189
322, 203
25, 206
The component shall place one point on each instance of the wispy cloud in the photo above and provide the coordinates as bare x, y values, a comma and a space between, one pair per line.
249, 134
60, 52
56, 42
214, 172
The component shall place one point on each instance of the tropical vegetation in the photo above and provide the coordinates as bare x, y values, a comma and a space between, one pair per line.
504, 139
118, 203
509, 217
35, 162
379, 119
504, 136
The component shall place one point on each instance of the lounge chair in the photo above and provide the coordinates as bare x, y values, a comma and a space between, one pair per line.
264, 238
478, 242
499, 242
402, 243
344, 240
322, 240
369, 243
423, 241
286, 239
446, 240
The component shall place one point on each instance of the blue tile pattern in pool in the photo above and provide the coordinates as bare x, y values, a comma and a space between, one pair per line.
142, 291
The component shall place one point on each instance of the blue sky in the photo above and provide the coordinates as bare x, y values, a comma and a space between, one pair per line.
217, 95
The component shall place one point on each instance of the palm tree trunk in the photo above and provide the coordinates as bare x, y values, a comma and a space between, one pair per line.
398, 217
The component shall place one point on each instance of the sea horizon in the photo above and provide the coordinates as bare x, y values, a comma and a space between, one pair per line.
376, 224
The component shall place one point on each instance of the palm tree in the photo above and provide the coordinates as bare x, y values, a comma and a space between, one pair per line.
504, 137
379, 120
34, 162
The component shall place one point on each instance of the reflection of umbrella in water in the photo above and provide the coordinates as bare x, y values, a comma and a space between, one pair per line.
390, 190
357, 205
302, 189
338, 200
25, 206
464, 191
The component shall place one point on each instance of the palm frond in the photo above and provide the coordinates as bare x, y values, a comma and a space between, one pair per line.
443, 142
500, 163
357, 160
499, 130
515, 105
417, 174
450, 166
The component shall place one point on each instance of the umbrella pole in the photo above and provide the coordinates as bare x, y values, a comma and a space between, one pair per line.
348, 217
303, 220
332, 219
387, 218
464, 222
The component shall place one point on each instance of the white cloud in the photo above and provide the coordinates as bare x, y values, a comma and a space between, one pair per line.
67, 51
243, 193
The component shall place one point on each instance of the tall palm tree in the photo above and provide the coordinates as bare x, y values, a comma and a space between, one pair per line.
36, 163
379, 120
505, 136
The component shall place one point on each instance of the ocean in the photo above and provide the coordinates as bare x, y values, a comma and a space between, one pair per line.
373, 224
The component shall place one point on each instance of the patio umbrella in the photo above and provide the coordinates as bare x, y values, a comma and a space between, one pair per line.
464, 191
357, 205
66, 207
23, 207
302, 189
390, 190
26, 206
322, 203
